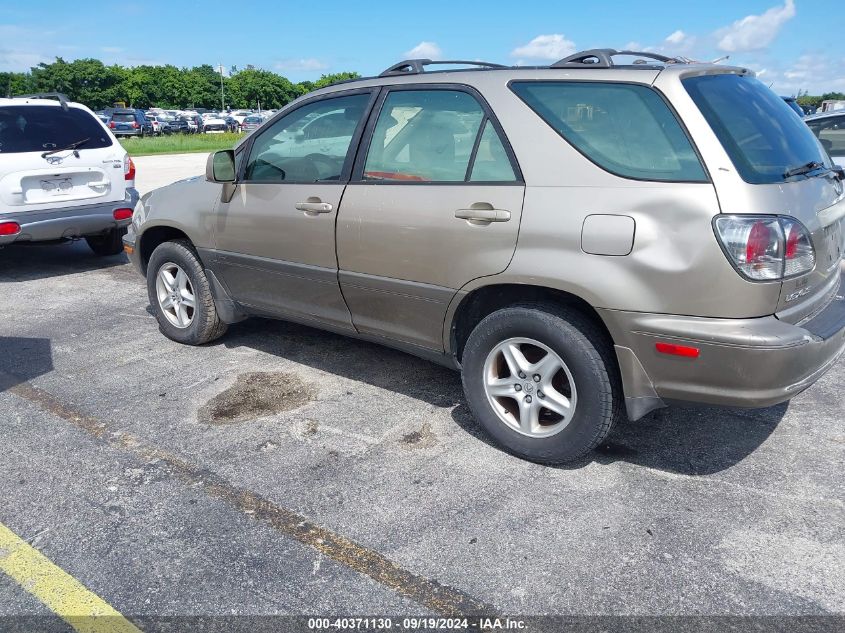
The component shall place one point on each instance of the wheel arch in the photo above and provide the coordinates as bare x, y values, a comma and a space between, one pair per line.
470, 309
154, 236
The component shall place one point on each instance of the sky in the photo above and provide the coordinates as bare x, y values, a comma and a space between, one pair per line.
792, 44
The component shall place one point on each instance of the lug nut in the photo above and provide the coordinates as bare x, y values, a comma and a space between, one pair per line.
540, 394
528, 399
518, 387
536, 377
521, 375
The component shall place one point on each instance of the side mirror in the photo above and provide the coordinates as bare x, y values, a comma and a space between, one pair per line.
839, 171
220, 166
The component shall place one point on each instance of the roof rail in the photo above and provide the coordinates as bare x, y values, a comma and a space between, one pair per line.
45, 95
417, 66
603, 58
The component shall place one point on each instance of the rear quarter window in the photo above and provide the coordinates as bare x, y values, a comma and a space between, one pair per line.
626, 129
30, 128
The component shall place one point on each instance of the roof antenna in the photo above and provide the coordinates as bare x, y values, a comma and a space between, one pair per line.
720, 59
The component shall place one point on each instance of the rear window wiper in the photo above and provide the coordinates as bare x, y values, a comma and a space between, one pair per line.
73, 146
806, 168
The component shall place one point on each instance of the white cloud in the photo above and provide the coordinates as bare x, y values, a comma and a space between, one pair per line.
552, 47
21, 61
677, 37
424, 50
755, 32
301, 64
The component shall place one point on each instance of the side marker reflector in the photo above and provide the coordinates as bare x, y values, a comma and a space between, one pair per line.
677, 350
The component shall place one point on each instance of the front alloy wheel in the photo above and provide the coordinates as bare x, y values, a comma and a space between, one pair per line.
175, 295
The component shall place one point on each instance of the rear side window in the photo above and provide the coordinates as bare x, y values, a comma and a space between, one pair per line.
758, 130
627, 129
41, 128
435, 136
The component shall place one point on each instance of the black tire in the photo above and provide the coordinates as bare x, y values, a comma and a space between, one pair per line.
110, 243
590, 359
205, 325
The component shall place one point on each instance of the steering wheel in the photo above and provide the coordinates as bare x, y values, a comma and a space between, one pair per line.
326, 161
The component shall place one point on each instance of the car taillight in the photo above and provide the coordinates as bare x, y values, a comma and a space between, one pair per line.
9, 228
122, 214
136, 125
112, 125
128, 169
765, 248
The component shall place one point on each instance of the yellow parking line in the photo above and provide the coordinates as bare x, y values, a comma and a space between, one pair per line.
60, 592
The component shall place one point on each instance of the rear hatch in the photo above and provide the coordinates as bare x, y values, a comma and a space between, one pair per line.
33, 177
124, 122
779, 168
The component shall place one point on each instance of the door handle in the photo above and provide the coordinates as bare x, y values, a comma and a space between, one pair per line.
313, 208
483, 215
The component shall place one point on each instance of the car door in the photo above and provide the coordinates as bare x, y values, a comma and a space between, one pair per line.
276, 237
435, 202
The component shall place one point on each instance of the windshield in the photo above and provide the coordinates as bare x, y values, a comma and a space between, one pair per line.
40, 128
758, 130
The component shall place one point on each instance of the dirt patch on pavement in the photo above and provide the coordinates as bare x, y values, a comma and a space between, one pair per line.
255, 395
424, 438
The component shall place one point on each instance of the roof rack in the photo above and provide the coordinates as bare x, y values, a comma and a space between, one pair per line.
603, 58
417, 66
46, 95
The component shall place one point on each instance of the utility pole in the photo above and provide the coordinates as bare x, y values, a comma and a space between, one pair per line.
222, 96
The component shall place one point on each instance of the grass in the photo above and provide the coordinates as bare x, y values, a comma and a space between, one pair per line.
179, 143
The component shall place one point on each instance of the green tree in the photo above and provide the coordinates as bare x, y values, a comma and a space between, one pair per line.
12, 84
328, 80
88, 81
249, 87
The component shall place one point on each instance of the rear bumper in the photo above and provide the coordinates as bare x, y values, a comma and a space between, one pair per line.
742, 362
67, 222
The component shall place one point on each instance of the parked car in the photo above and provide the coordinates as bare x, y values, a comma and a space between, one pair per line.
582, 241
159, 123
194, 123
792, 102
179, 126
829, 128
63, 175
214, 123
127, 123
251, 123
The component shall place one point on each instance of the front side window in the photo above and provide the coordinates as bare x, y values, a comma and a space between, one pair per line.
760, 133
308, 145
39, 128
627, 129
433, 136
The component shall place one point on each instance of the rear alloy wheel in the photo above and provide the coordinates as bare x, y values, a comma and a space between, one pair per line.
529, 387
180, 295
542, 380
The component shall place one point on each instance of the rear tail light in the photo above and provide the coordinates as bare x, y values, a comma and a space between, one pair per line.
112, 125
9, 228
766, 248
122, 214
128, 169
136, 125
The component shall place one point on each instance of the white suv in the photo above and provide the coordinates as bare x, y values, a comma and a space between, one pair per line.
63, 175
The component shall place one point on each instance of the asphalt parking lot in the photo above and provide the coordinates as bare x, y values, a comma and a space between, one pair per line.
283, 470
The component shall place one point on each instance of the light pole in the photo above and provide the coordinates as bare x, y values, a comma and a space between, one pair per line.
222, 96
